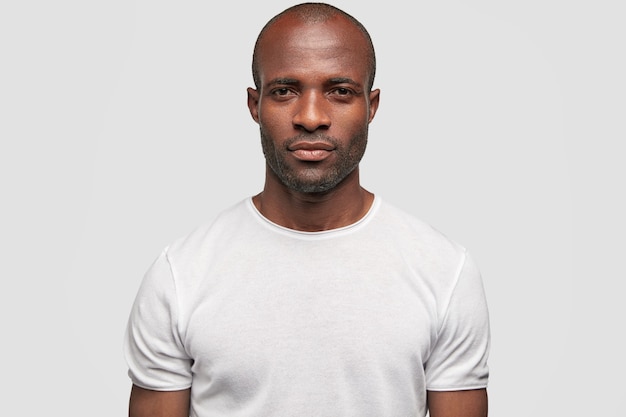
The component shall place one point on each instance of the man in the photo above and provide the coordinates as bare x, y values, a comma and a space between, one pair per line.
314, 297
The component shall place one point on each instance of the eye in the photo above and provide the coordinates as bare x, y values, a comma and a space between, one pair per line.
341, 91
283, 91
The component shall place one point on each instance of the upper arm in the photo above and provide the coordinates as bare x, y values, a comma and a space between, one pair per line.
458, 358
469, 403
148, 403
153, 345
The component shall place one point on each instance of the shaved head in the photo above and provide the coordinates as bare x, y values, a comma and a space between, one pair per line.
314, 13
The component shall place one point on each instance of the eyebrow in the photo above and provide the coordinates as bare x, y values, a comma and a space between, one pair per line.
283, 81
293, 81
343, 80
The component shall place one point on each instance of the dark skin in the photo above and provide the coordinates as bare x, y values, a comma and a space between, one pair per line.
314, 81
468, 403
144, 403
148, 403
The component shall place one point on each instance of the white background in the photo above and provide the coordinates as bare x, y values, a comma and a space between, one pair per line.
123, 125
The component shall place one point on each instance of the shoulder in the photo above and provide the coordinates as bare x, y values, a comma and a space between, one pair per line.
416, 233
203, 237
189, 255
431, 256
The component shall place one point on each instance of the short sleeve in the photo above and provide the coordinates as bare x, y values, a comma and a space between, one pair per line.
458, 360
153, 348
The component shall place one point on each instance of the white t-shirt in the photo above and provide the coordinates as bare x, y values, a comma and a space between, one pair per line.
261, 320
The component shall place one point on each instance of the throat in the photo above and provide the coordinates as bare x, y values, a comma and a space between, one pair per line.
312, 213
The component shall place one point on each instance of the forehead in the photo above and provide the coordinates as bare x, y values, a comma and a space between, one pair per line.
335, 46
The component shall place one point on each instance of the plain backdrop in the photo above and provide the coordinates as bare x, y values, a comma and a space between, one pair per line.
124, 125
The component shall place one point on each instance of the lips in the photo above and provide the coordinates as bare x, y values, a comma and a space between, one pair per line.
311, 151
311, 146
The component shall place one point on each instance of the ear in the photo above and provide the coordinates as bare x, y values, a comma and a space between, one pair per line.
374, 100
253, 103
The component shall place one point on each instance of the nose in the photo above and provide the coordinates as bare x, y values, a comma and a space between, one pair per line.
312, 113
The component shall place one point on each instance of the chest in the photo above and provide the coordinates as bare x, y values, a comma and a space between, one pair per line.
295, 320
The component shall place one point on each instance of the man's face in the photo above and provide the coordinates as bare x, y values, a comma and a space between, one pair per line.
312, 106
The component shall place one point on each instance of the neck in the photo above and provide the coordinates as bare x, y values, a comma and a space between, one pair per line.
342, 206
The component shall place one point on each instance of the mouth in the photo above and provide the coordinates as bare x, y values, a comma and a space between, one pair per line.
311, 151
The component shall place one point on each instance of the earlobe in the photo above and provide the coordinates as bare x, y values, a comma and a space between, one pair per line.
253, 103
374, 101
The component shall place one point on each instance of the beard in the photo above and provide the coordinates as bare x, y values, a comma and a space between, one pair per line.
314, 177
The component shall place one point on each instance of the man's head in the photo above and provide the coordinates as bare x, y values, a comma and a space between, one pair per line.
316, 13
314, 67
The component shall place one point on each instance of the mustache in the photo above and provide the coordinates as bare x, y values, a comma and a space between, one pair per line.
312, 137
